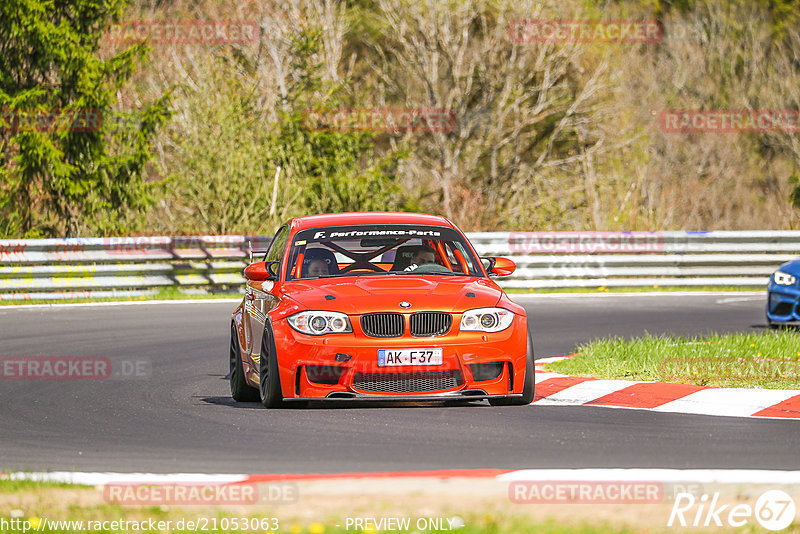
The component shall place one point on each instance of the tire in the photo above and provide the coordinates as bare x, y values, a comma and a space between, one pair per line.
269, 381
241, 391
527, 390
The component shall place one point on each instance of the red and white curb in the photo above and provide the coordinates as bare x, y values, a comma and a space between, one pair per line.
706, 476
553, 389
101, 478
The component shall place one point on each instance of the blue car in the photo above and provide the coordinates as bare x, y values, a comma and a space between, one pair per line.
783, 295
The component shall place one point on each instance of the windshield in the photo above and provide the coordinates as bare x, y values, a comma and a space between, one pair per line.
380, 250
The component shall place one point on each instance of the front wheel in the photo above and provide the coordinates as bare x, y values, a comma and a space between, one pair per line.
529, 387
269, 381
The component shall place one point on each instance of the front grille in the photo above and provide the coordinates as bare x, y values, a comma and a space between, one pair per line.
425, 324
383, 324
407, 382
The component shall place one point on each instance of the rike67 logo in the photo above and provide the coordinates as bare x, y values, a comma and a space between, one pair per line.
774, 510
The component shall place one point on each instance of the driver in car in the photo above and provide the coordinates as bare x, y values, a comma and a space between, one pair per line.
317, 267
422, 255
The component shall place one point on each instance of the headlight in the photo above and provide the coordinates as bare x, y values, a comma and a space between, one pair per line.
317, 323
784, 279
486, 320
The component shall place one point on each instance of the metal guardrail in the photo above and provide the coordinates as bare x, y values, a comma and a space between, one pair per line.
121, 266
640, 259
133, 266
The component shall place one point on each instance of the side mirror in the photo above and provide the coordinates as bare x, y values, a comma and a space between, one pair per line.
261, 270
499, 266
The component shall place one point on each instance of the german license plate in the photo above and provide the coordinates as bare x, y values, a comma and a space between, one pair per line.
397, 357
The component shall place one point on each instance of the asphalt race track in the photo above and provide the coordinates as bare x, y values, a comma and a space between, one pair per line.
181, 417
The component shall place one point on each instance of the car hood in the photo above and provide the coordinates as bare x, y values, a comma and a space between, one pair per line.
359, 295
791, 267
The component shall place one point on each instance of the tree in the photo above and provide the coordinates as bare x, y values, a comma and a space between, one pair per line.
339, 169
75, 175
522, 111
243, 114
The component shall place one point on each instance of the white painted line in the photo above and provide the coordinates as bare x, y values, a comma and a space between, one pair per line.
734, 402
703, 476
743, 299
119, 303
707, 476
642, 408
95, 479
584, 392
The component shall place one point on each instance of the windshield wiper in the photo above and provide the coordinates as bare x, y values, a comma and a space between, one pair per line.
415, 271
340, 275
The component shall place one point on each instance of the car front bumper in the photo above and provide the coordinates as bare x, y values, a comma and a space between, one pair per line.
345, 366
463, 395
783, 304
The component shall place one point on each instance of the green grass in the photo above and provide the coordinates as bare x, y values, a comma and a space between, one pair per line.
32, 502
36, 501
630, 289
10, 486
164, 293
757, 360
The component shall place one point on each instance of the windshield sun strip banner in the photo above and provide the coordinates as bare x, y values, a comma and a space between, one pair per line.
333, 236
345, 232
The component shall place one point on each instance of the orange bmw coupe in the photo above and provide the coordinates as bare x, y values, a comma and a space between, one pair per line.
378, 306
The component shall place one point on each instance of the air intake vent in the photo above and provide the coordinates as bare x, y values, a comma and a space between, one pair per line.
406, 382
324, 374
425, 324
783, 308
486, 371
383, 324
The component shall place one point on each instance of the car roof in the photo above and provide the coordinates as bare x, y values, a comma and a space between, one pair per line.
375, 217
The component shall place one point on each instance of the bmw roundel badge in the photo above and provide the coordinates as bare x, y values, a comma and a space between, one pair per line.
405, 304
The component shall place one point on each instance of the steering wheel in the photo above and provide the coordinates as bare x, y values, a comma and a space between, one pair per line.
362, 265
431, 268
